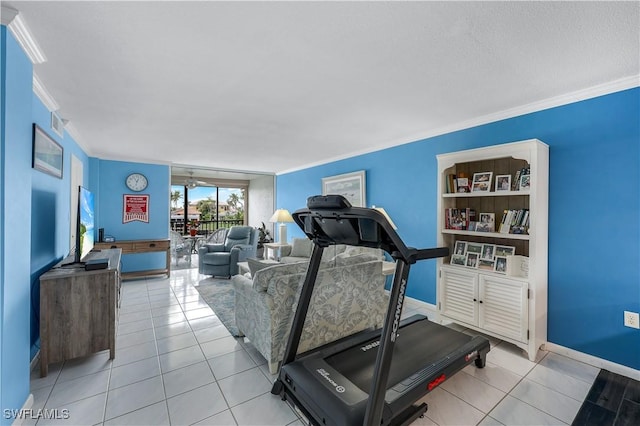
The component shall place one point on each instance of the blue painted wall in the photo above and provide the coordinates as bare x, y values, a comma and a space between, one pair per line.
108, 180
15, 229
594, 211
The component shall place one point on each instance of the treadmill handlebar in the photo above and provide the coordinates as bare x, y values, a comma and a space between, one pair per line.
330, 219
431, 253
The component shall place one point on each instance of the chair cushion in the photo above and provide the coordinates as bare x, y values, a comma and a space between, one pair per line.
301, 247
237, 235
216, 258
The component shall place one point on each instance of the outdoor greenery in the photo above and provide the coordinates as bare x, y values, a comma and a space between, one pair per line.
207, 207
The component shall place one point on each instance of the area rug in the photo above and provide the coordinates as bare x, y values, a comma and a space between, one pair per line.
220, 296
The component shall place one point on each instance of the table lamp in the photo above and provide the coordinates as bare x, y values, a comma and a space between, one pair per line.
283, 217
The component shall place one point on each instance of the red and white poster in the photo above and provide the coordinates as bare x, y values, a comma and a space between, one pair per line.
136, 207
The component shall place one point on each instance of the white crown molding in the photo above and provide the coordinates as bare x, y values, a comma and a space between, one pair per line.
73, 132
25, 39
7, 14
44, 95
568, 98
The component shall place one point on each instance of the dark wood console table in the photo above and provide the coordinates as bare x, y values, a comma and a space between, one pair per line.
141, 246
78, 310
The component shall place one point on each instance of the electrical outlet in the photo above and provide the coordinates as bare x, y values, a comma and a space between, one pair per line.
631, 319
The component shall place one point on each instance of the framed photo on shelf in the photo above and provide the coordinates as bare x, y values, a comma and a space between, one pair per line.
458, 259
474, 248
488, 251
349, 185
524, 183
504, 251
481, 182
487, 222
462, 184
472, 260
472, 226
501, 265
487, 265
460, 247
503, 183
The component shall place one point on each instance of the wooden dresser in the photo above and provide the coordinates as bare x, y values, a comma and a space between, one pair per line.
79, 310
141, 246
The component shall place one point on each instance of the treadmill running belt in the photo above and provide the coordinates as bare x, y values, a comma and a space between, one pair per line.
418, 345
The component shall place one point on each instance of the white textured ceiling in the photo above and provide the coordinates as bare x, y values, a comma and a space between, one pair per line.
275, 86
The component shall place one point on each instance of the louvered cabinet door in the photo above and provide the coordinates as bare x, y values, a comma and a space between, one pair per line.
458, 295
503, 307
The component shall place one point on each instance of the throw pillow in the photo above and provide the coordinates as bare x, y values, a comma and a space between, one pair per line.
255, 265
301, 247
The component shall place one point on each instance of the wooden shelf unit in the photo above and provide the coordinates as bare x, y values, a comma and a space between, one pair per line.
141, 246
79, 310
512, 309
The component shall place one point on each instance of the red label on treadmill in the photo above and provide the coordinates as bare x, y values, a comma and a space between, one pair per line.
436, 382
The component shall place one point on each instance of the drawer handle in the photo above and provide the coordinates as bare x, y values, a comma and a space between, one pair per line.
152, 245
114, 247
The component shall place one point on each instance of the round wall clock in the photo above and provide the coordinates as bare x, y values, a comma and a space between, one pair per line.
136, 182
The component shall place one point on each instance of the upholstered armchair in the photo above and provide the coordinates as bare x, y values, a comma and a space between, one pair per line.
240, 243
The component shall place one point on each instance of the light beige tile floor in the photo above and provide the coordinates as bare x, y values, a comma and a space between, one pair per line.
176, 364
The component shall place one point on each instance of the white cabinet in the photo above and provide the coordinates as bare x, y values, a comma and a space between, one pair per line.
513, 309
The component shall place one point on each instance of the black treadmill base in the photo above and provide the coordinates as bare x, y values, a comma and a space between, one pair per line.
340, 378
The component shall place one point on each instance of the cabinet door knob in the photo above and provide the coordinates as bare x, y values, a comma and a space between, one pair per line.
475, 300
480, 301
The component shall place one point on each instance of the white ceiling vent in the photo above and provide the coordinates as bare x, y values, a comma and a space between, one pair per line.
57, 124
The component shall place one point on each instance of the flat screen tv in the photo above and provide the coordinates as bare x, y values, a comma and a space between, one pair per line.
84, 225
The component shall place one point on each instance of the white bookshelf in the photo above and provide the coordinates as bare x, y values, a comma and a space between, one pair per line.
513, 309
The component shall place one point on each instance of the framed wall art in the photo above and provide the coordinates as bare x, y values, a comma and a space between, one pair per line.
47, 153
349, 185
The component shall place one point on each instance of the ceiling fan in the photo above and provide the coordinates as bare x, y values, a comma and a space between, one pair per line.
191, 183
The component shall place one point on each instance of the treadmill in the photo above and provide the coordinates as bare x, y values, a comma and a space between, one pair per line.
373, 377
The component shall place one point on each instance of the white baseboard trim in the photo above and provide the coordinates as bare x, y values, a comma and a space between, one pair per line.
25, 409
594, 361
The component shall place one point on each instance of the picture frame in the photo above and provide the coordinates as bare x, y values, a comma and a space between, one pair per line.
460, 247
524, 183
504, 251
472, 260
481, 182
47, 153
500, 265
486, 223
458, 259
474, 248
463, 184
503, 183
352, 186
488, 252
487, 265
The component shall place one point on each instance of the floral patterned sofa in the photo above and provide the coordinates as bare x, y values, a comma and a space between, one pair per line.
348, 297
